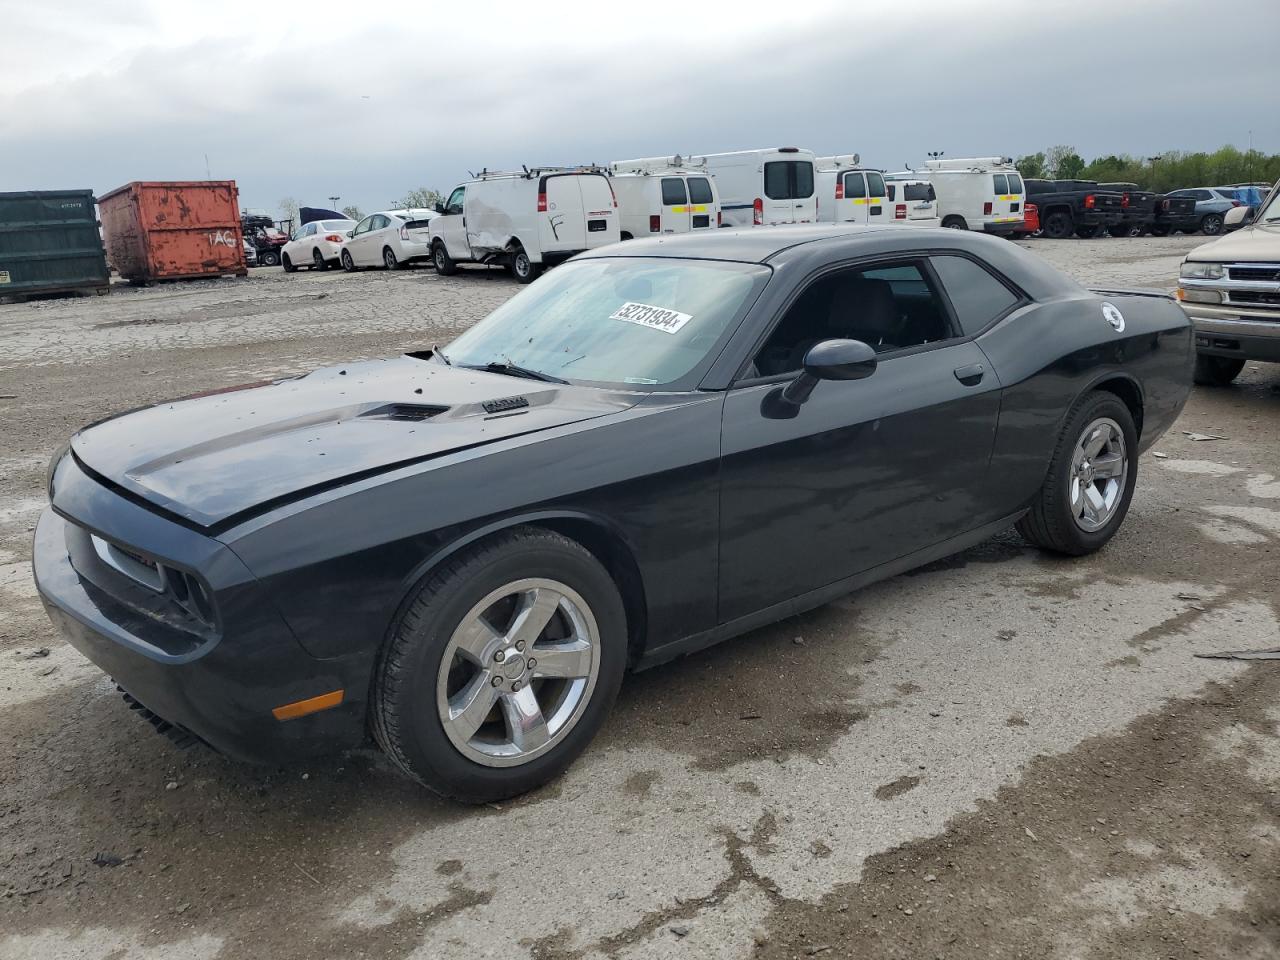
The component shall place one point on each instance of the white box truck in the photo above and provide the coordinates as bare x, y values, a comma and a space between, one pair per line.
524, 220
979, 193
663, 195
763, 187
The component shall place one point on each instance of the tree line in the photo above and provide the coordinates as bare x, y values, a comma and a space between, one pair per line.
1169, 170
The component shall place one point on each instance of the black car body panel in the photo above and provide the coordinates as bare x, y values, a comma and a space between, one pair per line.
310, 510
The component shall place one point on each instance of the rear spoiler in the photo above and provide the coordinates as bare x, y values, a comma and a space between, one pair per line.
1139, 292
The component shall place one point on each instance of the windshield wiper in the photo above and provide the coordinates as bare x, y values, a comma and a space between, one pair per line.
509, 369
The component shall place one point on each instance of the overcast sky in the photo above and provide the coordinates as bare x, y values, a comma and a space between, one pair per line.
313, 98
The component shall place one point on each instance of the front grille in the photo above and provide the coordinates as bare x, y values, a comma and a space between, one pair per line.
1266, 272
1255, 297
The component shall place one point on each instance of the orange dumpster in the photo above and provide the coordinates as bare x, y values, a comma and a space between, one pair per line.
173, 230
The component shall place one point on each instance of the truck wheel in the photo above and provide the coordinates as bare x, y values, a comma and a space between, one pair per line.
954, 222
1161, 230
1090, 480
1088, 233
1216, 371
522, 268
269, 258
625, 236
287, 264
1211, 225
502, 668
1057, 226
444, 263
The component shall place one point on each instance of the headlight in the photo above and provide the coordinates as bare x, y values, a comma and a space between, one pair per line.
1202, 271
53, 468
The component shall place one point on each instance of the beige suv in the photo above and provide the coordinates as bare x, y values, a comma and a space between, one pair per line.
1231, 289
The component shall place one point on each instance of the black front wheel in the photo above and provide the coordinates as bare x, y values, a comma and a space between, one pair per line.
1089, 484
287, 264
348, 264
1216, 371
502, 667
269, 258
444, 263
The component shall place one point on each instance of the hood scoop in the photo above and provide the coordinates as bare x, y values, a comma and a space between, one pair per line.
505, 404
410, 412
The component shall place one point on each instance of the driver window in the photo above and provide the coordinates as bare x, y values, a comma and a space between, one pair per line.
454, 205
892, 307
363, 225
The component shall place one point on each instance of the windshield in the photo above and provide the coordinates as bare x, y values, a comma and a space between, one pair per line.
626, 321
1271, 212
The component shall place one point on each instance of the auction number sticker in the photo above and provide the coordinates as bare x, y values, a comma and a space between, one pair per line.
4, 276
657, 318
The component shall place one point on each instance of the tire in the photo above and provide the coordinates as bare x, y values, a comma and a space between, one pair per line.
1161, 230
1216, 371
269, 259
1058, 225
1124, 230
625, 236
318, 261
444, 263
1054, 522
1089, 233
449, 758
1211, 224
955, 223
287, 264
522, 268
348, 264
389, 259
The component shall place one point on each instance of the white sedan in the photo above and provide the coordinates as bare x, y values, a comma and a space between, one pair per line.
390, 239
317, 245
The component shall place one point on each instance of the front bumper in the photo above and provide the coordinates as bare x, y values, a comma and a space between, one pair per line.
220, 684
1235, 331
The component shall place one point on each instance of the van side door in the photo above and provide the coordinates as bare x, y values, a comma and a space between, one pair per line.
451, 226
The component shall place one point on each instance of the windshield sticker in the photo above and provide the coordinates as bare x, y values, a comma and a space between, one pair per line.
657, 318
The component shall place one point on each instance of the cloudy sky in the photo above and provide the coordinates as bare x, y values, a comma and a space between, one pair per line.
313, 98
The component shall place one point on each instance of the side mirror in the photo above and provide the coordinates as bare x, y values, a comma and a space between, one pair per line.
350, 234
828, 360
439, 208
1236, 216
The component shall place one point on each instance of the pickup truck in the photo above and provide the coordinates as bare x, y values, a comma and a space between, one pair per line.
1139, 208
1174, 213
1230, 287
1081, 207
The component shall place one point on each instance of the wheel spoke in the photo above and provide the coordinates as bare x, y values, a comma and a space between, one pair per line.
1095, 503
525, 722
567, 661
470, 705
1077, 496
1094, 443
536, 609
477, 641
1108, 465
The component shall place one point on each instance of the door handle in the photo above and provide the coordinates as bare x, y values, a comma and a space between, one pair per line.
970, 375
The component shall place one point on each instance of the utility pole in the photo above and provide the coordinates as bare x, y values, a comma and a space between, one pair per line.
935, 154
1154, 161
333, 203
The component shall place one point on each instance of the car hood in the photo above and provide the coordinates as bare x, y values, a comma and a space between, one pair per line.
213, 457
1252, 243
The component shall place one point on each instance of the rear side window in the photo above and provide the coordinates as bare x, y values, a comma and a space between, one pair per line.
892, 190
875, 185
1001, 183
788, 179
1015, 183
672, 191
918, 191
854, 185
977, 296
699, 190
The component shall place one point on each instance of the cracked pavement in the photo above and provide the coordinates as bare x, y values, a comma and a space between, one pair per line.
999, 755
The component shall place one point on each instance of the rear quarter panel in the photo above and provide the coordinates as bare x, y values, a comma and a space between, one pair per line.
1050, 355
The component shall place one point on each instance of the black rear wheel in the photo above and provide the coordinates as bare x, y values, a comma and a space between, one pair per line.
318, 261
269, 258
522, 268
389, 259
954, 222
1057, 226
1088, 233
1216, 371
1211, 225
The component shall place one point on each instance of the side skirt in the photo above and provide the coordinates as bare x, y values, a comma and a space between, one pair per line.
816, 598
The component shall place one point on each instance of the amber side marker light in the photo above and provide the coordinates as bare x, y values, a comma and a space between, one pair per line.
292, 711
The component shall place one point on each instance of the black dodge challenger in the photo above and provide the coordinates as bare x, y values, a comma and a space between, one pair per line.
657, 446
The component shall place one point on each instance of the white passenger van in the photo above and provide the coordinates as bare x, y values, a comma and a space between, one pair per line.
663, 196
849, 193
914, 203
524, 220
762, 187
980, 193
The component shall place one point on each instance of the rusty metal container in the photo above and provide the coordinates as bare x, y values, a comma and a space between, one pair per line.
174, 230
49, 243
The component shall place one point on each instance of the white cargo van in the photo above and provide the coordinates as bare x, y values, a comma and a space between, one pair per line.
914, 203
663, 197
980, 193
849, 193
761, 187
524, 220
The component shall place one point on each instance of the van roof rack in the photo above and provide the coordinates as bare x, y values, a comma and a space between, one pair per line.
651, 165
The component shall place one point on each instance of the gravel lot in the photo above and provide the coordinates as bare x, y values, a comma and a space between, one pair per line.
1002, 755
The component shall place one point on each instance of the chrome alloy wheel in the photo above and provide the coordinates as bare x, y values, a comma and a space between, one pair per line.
518, 672
1099, 469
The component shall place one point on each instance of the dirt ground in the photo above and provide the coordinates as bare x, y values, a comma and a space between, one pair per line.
999, 756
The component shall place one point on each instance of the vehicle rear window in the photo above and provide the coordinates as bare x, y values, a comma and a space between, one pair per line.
977, 296
1001, 183
337, 224
1015, 183
918, 191
788, 179
700, 190
673, 191
875, 184
854, 185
